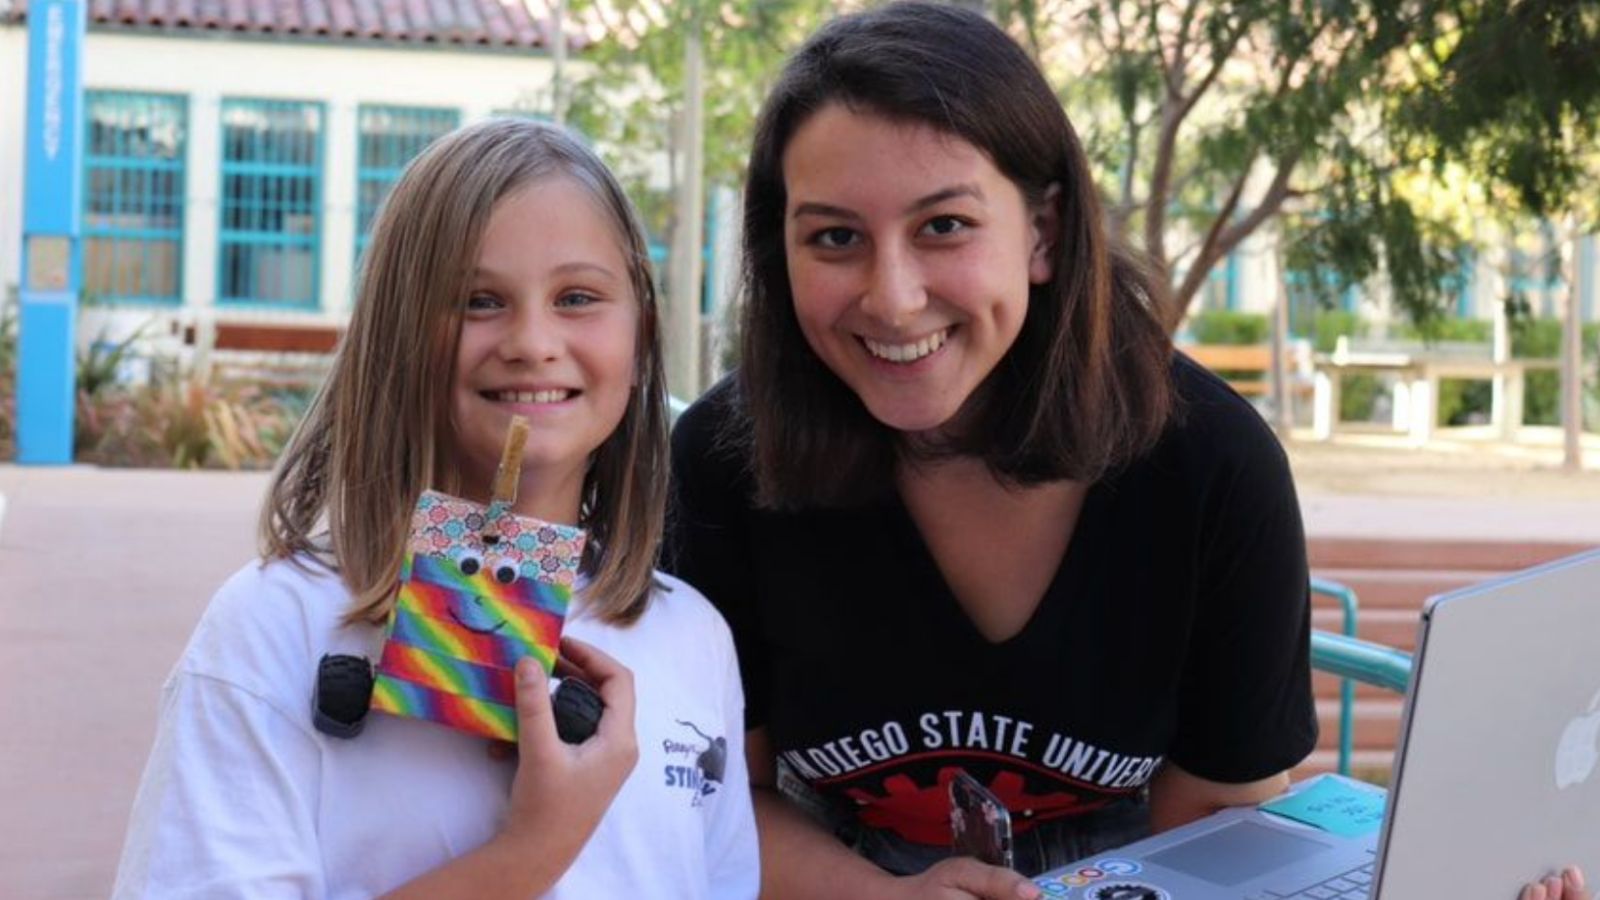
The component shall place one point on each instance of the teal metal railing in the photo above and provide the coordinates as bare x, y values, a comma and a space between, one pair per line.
1361, 660
1347, 689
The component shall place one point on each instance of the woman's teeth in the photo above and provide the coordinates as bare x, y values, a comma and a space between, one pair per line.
532, 396
906, 353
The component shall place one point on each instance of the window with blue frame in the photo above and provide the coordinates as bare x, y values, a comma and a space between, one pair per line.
271, 216
1536, 271
388, 138
134, 147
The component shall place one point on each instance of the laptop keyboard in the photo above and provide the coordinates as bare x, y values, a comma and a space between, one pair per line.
1355, 884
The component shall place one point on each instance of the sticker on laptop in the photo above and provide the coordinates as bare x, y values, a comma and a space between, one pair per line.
1127, 890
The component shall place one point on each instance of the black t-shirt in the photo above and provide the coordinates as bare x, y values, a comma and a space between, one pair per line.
1176, 628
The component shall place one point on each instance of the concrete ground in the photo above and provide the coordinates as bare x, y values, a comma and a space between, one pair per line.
104, 572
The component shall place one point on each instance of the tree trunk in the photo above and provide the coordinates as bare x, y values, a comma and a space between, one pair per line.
683, 295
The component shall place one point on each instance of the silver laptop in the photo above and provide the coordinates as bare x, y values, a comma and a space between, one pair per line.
1496, 777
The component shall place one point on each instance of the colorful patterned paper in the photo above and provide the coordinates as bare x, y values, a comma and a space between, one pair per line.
480, 588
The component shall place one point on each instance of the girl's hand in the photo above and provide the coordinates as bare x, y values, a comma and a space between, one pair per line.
1566, 886
964, 878
561, 790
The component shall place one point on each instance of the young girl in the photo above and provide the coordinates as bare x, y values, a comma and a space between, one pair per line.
507, 276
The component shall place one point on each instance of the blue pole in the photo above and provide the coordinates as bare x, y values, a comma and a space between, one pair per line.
52, 214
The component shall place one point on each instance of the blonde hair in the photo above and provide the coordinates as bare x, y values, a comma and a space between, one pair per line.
371, 441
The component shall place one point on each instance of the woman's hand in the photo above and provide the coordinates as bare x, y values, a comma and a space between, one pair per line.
1566, 886
564, 789
964, 878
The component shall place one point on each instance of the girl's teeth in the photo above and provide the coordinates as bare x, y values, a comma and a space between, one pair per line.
534, 396
905, 353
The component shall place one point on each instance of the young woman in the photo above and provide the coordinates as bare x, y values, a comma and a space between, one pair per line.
962, 505
506, 276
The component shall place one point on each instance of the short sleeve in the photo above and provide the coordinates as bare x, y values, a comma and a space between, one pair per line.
732, 857
707, 542
225, 808
1245, 707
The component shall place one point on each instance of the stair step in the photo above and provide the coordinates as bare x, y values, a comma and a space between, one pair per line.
1326, 687
1367, 765
1395, 628
1394, 588
1491, 556
1376, 723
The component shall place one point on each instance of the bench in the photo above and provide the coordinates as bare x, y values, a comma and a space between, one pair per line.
285, 353
1417, 368
1246, 367
271, 338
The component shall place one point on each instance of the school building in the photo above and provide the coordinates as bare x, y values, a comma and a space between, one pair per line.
235, 151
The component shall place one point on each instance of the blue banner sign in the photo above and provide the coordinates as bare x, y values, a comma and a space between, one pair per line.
52, 211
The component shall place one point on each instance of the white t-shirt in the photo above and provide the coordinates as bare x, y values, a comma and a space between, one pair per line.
243, 797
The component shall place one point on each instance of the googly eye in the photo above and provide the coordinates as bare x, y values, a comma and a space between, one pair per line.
469, 565
505, 573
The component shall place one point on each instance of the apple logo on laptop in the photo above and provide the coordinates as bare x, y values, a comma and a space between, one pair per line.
1579, 748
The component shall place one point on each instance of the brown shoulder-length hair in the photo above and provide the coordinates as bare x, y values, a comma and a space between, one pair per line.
379, 431
1084, 388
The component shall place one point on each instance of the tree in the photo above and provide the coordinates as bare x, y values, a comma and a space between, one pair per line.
1517, 103
1208, 119
631, 97
1211, 119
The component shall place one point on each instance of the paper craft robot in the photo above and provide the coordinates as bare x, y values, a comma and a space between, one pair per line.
480, 588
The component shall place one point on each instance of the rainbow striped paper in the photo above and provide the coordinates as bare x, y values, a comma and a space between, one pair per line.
480, 588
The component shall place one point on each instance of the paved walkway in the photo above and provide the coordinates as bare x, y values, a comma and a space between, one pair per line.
104, 572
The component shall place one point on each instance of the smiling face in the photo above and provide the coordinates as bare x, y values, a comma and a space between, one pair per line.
910, 258
548, 333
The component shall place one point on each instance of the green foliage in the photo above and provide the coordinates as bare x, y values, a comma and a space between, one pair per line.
1453, 329
1328, 325
1347, 107
1515, 97
183, 423
99, 364
1221, 326
629, 101
9, 313
1465, 401
1541, 339
1358, 397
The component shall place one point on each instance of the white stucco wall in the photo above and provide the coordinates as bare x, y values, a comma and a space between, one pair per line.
13, 113
209, 68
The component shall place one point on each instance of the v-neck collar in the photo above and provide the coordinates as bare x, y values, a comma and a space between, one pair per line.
1069, 573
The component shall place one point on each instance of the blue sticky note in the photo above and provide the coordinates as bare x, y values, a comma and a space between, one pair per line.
1334, 805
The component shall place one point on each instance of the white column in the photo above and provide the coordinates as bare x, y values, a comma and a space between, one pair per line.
1325, 404
338, 249
1504, 394
201, 211
13, 118
1424, 407
1402, 403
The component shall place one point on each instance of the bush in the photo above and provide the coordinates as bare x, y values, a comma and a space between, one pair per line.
173, 421
1358, 397
185, 424
1541, 399
1328, 325
1465, 331
1222, 326
9, 312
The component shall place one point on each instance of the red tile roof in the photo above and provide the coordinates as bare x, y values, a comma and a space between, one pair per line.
485, 23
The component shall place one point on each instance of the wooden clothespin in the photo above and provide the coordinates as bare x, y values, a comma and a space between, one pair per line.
506, 475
